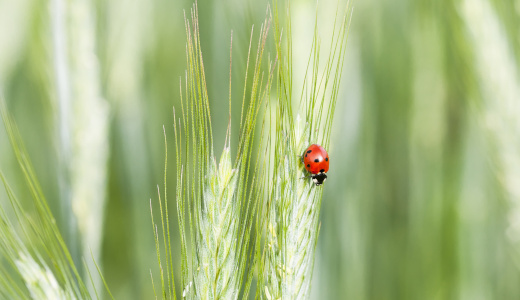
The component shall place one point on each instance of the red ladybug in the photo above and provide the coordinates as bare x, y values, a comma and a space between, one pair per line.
316, 161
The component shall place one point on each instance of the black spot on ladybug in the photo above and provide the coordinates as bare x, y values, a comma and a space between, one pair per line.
309, 151
305, 154
326, 158
308, 166
316, 160
322, 171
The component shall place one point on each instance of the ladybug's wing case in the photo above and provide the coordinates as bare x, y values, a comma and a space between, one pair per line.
316, 159
308, 159
324, 165
324, 161
319, 167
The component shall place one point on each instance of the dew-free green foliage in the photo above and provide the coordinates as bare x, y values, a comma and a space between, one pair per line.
421, 201
216, 202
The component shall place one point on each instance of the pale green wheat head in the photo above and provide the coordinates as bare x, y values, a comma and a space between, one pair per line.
216, 202
293, 201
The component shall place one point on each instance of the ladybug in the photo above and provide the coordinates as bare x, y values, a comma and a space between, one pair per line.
316, 161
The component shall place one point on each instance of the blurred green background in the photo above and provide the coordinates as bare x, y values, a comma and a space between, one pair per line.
423, 196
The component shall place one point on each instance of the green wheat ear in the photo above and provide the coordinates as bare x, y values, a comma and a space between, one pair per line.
293, 202
37, 264
216, 202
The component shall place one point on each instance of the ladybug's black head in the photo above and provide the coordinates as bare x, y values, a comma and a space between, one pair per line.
319, 178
